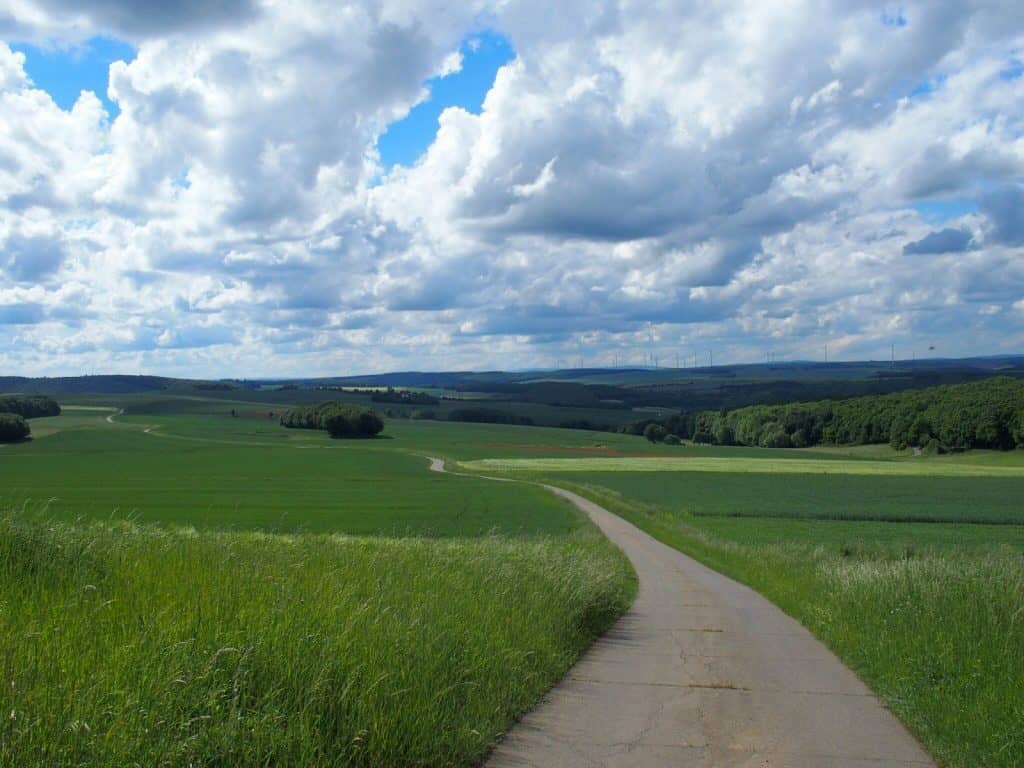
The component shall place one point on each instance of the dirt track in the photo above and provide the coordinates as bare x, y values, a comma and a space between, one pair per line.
702, 671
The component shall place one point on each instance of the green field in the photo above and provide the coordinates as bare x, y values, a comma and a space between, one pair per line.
909, 568
88, 467
822, 496
186, 587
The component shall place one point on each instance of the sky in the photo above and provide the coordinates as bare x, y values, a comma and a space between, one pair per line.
302, 188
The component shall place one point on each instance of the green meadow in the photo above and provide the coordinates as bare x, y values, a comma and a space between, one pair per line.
123, 644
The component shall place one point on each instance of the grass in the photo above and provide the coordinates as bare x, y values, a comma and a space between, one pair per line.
929, 615
131, 645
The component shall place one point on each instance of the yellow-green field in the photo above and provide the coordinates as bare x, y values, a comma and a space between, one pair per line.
748, 465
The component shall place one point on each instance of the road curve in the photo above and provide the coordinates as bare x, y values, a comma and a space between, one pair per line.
702, 671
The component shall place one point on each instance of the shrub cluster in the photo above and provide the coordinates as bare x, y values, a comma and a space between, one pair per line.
13, 428
29, 406
984, 414
339, 419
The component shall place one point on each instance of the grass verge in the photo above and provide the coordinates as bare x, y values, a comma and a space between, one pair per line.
937, 633
130, 645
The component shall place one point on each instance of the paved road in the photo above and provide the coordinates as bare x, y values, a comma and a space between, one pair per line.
702, 671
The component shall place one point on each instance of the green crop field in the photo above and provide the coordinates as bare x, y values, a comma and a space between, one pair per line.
87, 466
824, 495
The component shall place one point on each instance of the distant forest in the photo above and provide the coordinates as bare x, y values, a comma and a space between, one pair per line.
984, 414
29, 406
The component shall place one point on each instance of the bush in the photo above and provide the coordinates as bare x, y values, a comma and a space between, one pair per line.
13, 428
672, 440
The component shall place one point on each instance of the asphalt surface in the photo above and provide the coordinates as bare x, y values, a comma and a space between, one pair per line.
703, 671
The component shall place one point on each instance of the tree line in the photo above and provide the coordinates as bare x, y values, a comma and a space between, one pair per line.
957, 417
15, 410
404, 397
339, 419
488, 416
29, 406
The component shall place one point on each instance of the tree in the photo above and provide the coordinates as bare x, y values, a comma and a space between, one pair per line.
339, 419
724, 434
655, 433
703, 437
774, 436
13, 428
353, 422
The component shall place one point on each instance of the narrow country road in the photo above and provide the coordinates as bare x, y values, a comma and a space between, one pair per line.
702, 671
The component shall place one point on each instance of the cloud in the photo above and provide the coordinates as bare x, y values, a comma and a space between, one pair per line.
1005, 209
732, 175
949, 240
135, 20
31, 259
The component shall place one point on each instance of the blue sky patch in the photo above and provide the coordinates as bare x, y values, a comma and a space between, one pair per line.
483, 54
940, 211
894, 17
1013, 71
65, 72
927, 87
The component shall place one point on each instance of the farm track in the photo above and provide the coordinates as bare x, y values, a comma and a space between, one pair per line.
702, 671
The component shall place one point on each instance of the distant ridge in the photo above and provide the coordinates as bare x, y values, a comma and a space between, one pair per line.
686, 388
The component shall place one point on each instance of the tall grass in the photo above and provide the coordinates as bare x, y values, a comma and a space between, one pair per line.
938, 633
125, 645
